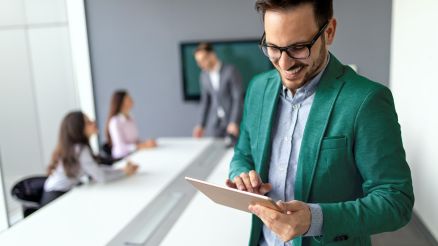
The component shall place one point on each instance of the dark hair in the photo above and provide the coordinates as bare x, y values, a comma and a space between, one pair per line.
323, 9
115, 108
71, 133
207, 47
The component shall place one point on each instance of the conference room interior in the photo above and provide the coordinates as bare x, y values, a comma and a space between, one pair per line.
57, 56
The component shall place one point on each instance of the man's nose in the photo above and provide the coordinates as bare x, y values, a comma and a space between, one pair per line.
285, 62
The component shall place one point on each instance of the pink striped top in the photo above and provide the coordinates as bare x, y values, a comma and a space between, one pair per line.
124, 135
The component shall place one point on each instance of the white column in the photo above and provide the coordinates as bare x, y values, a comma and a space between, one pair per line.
81, 58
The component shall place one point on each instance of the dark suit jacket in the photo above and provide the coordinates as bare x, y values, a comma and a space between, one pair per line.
351, 161
229, 97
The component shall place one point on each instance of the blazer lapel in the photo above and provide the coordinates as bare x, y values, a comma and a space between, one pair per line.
269, 107
319, 115
221, 79
208, 82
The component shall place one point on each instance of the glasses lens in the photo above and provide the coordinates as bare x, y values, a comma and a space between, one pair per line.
298, 52
271, 52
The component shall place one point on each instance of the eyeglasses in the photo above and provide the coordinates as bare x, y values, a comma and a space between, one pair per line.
295, 51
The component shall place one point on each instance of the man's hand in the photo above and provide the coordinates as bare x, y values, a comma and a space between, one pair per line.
198, 132
233, 129
295, 220
250, 182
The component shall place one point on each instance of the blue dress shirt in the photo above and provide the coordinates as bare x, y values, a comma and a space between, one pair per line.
288, 130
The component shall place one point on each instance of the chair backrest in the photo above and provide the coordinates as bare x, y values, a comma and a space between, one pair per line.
29, 189
106, 147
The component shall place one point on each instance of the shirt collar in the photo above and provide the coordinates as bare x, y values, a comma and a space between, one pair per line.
217, 68
308, 88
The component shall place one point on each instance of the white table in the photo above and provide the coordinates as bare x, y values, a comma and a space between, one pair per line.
207, 223
94, 214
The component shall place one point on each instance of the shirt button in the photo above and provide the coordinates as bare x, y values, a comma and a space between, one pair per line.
296, 106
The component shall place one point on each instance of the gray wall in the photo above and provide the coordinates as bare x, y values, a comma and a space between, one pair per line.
364, 36
134, 45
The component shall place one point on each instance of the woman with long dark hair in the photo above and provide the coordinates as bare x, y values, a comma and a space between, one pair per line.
73, 159
121, 129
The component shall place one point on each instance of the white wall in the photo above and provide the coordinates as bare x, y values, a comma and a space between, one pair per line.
40, 80
19, 126
4, 221
414, 84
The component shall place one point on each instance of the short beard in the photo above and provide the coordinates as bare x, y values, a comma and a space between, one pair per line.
320, 62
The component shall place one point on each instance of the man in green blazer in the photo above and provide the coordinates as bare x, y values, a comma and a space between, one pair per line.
319, 137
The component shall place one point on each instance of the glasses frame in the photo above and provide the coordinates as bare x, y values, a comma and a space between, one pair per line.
263, 45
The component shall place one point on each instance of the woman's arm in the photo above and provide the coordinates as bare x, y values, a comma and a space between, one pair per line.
98, 173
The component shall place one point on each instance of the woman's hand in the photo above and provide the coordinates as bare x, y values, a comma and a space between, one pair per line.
150, 143
130, 168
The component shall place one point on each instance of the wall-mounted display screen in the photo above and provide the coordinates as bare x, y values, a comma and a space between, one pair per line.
245, 55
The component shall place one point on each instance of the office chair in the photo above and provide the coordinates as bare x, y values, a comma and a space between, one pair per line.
105, 156
106, 148
28, 192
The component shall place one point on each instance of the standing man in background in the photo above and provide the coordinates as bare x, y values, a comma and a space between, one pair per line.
318, 138
221, 94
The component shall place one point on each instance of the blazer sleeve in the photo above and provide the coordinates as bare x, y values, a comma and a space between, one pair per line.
205, 100
236, 96
388, 196
242, 161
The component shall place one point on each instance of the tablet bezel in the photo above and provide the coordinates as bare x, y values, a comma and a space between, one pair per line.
230, 197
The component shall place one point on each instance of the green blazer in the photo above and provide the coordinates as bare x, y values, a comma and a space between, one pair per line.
351, 161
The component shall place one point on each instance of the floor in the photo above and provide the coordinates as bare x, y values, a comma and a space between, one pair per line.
413, 234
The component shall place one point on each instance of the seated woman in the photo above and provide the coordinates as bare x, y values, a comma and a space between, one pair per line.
121, 129
73, 159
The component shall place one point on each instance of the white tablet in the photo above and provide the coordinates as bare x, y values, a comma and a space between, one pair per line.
232, 198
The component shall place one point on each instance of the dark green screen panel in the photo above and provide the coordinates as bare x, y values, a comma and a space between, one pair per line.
245, 55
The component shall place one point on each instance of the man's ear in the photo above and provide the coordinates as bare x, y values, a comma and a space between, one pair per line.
330, 31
